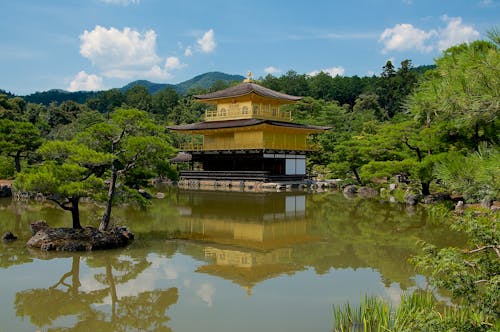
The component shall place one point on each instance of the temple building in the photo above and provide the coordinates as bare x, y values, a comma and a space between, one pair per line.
248, 137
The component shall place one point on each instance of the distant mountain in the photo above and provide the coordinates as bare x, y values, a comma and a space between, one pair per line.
201, 81
207, 80
152, 87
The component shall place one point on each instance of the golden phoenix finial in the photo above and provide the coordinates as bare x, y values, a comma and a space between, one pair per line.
249, 77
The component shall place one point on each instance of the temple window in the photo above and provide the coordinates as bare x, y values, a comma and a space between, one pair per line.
255, 109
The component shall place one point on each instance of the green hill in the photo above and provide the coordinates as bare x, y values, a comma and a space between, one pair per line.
152, 87
201, 81
206, 80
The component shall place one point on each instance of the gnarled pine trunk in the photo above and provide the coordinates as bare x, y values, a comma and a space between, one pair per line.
111, 194
75, 212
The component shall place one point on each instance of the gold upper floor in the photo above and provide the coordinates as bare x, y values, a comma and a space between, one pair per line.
248, 110
246, 101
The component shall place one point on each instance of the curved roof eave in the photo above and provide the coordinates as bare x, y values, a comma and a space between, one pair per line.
244, 89
244, 123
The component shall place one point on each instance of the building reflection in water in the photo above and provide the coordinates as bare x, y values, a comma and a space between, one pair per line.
246, 237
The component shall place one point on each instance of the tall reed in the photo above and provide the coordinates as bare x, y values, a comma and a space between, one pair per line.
419, 311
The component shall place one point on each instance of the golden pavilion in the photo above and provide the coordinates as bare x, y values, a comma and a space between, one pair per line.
248, 137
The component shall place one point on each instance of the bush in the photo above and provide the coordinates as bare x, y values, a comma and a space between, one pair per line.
7, 169
474, 176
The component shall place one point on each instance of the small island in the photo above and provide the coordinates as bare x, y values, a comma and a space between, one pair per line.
88, 238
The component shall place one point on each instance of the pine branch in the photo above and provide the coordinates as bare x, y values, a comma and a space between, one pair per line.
62, 205
495, 248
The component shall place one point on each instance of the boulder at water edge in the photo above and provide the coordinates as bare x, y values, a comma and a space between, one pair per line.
82, 239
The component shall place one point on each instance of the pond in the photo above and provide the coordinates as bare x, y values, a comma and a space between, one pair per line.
214, 261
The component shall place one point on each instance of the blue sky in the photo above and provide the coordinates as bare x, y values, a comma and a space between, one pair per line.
102, 44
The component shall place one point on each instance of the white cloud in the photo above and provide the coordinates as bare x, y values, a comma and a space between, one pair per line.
271, 70
171, 271
455, 33
173, 63
121, 2
206, 292
85, 82
404, 37
156, 73
408, 2
207, 42
393, 293
333, 71
123, 53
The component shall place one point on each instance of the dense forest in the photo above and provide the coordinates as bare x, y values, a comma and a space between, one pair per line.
435, 127
425, 124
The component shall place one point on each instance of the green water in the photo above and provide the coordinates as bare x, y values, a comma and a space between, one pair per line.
214, 261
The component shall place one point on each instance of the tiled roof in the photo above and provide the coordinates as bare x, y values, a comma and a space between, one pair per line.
243, 123
244, 89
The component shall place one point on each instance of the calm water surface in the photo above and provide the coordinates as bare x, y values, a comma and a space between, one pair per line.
214, 261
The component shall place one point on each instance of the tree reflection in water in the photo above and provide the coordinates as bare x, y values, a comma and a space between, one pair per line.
65, 304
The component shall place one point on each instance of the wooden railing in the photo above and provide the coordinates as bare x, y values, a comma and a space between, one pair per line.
239, 113
191, 147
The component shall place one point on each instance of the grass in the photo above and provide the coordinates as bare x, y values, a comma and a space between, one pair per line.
419, 311
373, 314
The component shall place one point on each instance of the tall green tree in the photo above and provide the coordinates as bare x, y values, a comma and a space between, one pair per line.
395, 85
462, 91
106, 101
188, 111
18, 139
70, 171
134, 142
164, 102
321, 86
406, 149
139, 97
